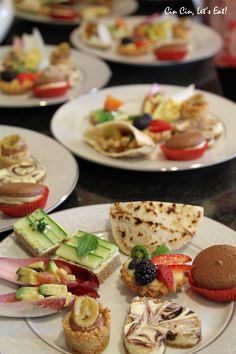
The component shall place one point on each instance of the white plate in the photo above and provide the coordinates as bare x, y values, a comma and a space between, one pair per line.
70, 121
120, 8
6, 17
45, 335
204, 44
61, 167
94, 73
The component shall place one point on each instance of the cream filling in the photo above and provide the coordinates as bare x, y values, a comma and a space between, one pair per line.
18, 200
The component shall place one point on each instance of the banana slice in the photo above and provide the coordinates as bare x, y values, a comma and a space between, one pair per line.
85, 311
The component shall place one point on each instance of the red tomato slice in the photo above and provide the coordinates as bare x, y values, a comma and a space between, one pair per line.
170, 54
184, 154
27, 76
157, 125
54, 89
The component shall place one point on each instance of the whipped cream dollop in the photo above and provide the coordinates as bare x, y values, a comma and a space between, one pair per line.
29, 171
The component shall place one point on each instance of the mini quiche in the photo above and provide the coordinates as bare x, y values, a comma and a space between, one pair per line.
155, 275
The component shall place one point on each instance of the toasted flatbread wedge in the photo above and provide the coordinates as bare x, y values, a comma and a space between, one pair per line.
153, 223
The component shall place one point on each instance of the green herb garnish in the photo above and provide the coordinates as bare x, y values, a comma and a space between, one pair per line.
163, 249
86, 244
39, 225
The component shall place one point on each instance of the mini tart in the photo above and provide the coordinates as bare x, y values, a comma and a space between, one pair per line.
132, 50
91, 340
15, 87
194, 107
61, 54
29, 171
13, 150
155, 288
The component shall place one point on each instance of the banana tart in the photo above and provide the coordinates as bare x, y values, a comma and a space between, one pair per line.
87, 326
152, 324
13, 149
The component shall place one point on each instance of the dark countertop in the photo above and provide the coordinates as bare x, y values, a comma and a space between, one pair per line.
213, 187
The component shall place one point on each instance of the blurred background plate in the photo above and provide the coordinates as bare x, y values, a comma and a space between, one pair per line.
6, 17
61, 168
70, 121
120, 8
94, 74
204, 44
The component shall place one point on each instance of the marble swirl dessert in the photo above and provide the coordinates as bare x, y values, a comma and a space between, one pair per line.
151, 325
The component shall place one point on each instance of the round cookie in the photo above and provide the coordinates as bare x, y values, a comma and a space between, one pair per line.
215, 268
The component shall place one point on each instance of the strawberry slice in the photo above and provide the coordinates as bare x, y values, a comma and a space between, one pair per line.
171, 259
165, 275
185, 268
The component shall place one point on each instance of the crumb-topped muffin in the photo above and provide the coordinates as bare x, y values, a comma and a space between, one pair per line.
87, 326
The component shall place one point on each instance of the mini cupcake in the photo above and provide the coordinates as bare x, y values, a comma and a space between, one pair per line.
13, 150
20, 199
186, 146
214, 273
87, 327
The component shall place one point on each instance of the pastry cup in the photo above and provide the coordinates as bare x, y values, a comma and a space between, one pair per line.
90, 341
25, 208
224, 295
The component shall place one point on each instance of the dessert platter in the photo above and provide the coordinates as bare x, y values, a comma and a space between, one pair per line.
156, 40
71, 12
118, 283
148, 128
29, 178
34, 74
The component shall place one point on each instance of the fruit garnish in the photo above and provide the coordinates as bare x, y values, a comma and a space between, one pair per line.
145, 272
164, 274
85, 311
112, 103
86, 244
158, 125
142, 122
184, 268
167, 259
140, 252
27, 76
162, 249
133, 263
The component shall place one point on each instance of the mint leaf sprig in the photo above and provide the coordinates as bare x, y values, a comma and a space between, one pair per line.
86, 244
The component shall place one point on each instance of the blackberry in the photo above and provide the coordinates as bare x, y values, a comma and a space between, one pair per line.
133, 263
7, 75
145, 273
127, 40
142, 122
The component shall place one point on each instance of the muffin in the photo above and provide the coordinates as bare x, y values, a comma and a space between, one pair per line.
87, 326
214, 273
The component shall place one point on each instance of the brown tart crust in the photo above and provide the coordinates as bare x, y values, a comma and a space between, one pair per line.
132, 50
90, 341
214, 268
